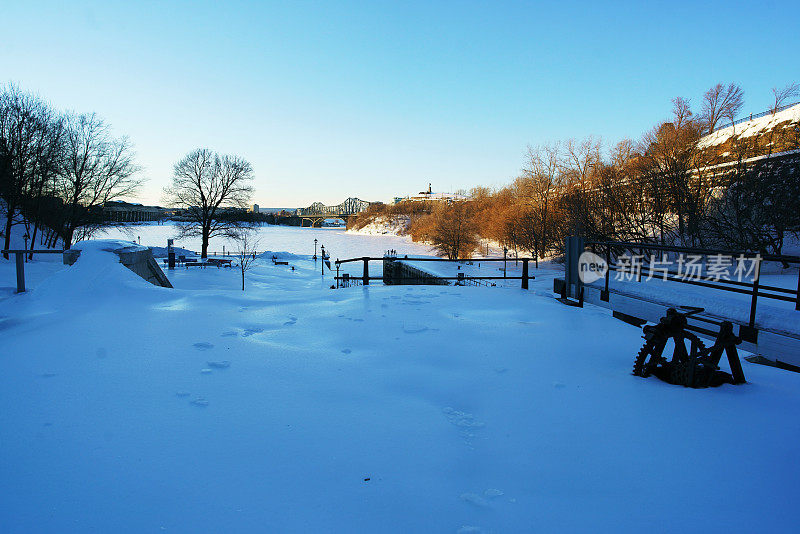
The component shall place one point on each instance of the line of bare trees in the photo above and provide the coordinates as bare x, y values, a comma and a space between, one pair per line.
666, 188
57, 170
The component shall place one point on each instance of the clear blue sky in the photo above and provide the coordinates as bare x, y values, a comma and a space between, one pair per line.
376, 99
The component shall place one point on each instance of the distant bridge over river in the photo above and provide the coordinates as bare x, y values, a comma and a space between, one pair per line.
317, 212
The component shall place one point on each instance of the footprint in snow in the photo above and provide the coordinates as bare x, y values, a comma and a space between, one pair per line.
474, 499
346, 351
223, 364
199, 401
465, 422
250, 331
414, 329
481, 500
182, 394
461, 419
203, 345
229, 333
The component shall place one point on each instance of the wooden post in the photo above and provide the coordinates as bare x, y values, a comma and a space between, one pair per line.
797, 300
754, 299
20, 256
605, 296
366, 271
525, 274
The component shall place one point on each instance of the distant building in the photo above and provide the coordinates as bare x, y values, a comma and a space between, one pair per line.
119, 211
429, 195
254, 209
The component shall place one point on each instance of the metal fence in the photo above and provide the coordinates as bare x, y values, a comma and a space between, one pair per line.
460, 279
756, 116
614, 251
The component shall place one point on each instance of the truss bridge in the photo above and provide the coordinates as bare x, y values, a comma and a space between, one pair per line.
317, 212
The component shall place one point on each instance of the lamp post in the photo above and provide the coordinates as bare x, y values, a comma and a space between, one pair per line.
322, 263
505, 254
315, 250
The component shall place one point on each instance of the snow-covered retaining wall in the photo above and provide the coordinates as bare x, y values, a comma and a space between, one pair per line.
137, 258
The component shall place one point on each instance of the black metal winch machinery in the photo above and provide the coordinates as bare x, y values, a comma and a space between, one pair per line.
697, 366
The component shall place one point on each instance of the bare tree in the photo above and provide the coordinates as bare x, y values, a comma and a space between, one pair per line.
453, 233
203, 185
782, 96
579, 160
537, 188
720, 102
246, 252
97, 168
668, 152
25, 125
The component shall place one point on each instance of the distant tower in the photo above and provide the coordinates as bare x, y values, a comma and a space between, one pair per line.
254, 209
429, 188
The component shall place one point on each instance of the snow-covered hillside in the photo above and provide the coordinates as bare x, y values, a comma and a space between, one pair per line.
295, 408
786, 118
385, 225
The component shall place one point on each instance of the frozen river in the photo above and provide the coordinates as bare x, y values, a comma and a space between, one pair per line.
293, 239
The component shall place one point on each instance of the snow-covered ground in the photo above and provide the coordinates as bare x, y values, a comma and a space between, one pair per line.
291, 407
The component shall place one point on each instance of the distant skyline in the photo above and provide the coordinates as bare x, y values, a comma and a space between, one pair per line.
376, 99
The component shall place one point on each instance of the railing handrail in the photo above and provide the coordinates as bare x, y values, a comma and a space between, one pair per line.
755, 116
369, 258
530, 277
695, 250
525, 277
754, 288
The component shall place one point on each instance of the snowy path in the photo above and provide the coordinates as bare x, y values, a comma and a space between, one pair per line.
132, 408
